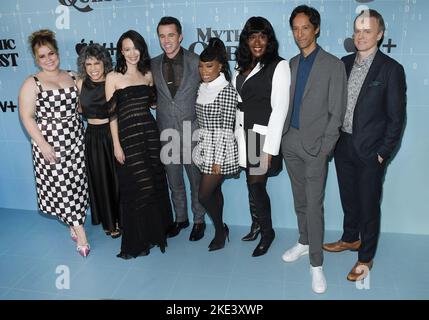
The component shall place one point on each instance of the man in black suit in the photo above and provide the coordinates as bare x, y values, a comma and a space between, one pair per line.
371, 132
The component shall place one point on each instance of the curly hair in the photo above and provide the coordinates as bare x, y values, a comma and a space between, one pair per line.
243, 53
97, 52
144, 62
216, 50
43, 37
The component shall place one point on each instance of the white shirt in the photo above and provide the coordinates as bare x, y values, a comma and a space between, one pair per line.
208, 91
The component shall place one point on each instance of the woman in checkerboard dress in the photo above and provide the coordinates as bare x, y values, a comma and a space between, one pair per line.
48, 111
216, 153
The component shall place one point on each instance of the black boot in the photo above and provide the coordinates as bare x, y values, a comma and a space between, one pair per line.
255, 229
265, 243
263, 209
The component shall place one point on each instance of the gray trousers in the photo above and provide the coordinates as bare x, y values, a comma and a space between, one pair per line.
176, 184
308, 179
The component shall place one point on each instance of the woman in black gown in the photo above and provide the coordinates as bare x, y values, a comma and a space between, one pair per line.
142, 181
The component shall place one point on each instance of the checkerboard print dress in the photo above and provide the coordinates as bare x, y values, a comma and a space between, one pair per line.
62, 188
216, 142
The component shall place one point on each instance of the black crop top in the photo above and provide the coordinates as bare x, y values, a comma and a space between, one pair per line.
93, 100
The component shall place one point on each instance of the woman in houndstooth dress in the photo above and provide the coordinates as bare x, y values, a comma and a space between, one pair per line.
216, 153
49, 114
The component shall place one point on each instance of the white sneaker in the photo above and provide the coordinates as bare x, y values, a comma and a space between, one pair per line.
318, 282
295, 252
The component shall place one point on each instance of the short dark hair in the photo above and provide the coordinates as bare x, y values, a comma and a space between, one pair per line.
216, 50
374, 14
243, 54
97, 52
312, 14
144, 63
170, 20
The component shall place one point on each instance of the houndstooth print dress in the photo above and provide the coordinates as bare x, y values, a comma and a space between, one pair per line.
62, 188
216, 143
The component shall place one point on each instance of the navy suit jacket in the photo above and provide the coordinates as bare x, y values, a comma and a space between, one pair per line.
379, 114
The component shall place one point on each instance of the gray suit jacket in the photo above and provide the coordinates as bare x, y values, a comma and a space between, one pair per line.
171, 112
323, 103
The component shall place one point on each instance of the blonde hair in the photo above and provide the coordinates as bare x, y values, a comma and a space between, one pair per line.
43, 37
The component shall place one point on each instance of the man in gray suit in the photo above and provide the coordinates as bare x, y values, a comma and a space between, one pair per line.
318, 95
176, 77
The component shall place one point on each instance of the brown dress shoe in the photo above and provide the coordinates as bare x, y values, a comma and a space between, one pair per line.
355, 275
340, 245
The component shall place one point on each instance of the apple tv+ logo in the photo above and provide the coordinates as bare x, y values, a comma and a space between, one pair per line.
82, 44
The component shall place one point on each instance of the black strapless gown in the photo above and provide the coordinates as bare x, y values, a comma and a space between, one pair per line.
143, 186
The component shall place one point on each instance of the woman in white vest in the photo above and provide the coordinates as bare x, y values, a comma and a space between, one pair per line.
262, 79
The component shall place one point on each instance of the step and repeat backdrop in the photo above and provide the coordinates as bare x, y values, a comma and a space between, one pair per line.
79, 22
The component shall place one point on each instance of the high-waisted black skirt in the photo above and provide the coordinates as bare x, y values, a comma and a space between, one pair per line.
103, 182
254, 144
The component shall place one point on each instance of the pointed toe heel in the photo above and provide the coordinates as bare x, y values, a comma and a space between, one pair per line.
83, 250
217, 244
255, 230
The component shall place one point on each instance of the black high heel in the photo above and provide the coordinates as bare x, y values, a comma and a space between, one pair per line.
114, 234
255, 230
221, 244
264, 244
225, 227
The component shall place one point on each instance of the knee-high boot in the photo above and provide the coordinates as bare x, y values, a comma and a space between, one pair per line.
263, 213
255, 228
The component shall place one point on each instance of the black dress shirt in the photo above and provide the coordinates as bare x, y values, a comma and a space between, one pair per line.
172, 70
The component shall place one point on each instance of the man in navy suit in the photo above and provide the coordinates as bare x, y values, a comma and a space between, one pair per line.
370, 134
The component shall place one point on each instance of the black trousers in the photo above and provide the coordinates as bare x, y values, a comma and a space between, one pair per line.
360, 182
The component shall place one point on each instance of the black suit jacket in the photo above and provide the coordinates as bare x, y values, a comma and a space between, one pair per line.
380, 108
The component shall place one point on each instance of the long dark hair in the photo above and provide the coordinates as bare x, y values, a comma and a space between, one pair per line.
216, 50
243, 54
144, 62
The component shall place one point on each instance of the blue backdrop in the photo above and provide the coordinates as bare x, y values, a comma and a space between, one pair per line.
405, 206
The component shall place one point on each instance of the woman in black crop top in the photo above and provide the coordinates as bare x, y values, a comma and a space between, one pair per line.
94, 63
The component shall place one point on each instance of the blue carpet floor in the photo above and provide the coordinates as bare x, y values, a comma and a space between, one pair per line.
38, 260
